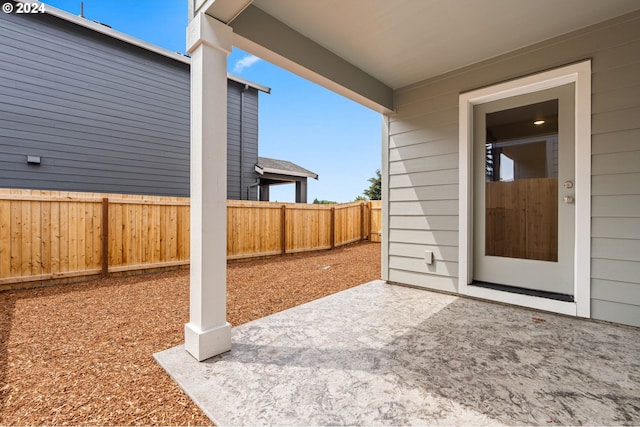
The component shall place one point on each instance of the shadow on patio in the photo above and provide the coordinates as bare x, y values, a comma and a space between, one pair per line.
383, 354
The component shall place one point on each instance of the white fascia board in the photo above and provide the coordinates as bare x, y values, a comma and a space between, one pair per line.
240, 80
290, 173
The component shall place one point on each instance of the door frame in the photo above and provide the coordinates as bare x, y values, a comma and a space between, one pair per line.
580, 74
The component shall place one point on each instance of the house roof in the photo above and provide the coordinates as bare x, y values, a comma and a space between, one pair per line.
282, 167
366, 49
110, 32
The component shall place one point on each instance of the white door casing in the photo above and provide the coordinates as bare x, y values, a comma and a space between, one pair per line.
580, 75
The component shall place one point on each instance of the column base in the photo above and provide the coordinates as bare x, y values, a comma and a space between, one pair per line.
205, 344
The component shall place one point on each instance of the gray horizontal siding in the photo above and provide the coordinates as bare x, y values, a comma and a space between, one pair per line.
21, 141
616, 183
426, 222
615, 228
66, 84
445, 253
434, 162
421, 279
82, 45
422, 170
425, 178
616, 249
425, 192
614, 311
233, 142
102, 78
104, 116
627, 292
242, 122
411, 264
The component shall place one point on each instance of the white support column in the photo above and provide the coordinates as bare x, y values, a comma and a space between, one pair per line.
207, 334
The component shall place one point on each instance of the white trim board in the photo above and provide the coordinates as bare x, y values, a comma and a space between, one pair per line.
580, 74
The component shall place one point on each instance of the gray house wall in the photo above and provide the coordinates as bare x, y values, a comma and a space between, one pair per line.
242, 141
422, 167
103, 115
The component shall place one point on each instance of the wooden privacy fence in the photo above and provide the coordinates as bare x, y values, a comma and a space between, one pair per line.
267, 228
49, 236
522, 219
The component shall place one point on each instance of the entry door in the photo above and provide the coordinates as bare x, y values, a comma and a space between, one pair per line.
523, 180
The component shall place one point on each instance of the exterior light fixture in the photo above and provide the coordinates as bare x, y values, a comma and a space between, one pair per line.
538, 122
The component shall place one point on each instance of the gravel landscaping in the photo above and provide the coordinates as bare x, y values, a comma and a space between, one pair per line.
81, 354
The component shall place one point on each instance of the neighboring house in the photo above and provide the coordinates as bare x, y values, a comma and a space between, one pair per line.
278, 172
86, 108
475, 202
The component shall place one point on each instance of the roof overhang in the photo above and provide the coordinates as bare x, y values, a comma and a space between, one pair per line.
249, 83
367, 49
110, 32
261, 34
282, 172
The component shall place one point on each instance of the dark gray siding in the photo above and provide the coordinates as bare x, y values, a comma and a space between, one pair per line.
103, 115
422, 168
242, 141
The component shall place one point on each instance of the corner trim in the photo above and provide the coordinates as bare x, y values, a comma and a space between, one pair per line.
384, 205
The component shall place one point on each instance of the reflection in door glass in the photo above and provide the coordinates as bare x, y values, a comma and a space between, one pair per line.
521, 153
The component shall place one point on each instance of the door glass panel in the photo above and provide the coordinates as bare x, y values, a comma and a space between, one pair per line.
521, 167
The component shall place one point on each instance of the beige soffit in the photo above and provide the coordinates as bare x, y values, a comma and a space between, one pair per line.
401, 42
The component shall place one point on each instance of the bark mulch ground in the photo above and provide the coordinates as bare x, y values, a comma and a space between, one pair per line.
81, 354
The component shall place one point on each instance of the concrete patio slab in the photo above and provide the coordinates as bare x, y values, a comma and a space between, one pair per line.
380, 354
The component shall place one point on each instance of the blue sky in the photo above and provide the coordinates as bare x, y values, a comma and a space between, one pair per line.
299, 121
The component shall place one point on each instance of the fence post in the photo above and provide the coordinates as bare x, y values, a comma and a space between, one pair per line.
369, 219
283, 234
333, 228
361, 222
105, 237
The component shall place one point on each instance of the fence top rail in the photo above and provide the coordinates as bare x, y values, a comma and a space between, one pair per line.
12, 194
255, 204
300, 206
149, 202
348, 205
64, 196
27, 198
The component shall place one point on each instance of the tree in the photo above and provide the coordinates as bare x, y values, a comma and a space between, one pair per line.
323, 202
374, 192
361, 199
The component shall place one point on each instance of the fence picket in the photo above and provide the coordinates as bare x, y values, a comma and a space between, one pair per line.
50, 235
5, 238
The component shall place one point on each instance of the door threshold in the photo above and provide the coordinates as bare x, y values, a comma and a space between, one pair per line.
524, 291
